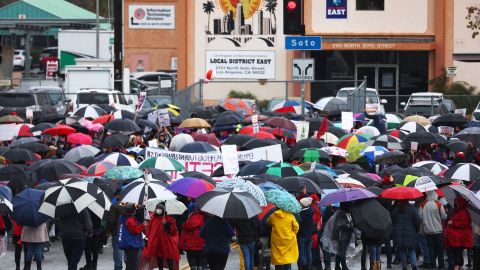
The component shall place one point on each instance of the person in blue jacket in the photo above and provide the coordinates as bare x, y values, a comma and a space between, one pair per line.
130, 236
217, 233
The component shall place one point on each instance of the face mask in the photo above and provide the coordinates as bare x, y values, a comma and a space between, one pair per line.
158, 211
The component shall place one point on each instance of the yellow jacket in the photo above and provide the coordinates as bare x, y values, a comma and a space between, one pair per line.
284, 237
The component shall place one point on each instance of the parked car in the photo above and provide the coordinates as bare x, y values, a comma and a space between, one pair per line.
137, 86
153, 79
19, 58
450, 105
426, 104
372, 100
93, 96
48, 54
151, 103
46, 102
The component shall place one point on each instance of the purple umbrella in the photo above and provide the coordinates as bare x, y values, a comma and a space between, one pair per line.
346, 195
190, 187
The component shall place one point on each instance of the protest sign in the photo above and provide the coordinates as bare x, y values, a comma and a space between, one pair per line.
160, 117
302, 129
446, 130
7, 132
347, 121
256, 127
230, 159
414, 146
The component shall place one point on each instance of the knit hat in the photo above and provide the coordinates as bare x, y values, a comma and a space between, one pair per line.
307, 201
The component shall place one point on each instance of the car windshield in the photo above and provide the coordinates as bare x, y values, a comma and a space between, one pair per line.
371, 95
17, 52
92, 98
152, 102
17, 100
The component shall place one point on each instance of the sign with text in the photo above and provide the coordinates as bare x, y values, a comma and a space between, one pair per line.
29, 113
230, 159
303, 43
207, 163
141, 100
241, 64
51, 69
160, 117
151, 16
446, 130
303, 69
414, 146
336, 9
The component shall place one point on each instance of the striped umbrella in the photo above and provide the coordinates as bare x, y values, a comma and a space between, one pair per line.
228, 203
433, 166
90, 111
463, 171
141, 189
237, 105
452, 191
351, 139
118, 159
282, 169
163, 163
386, 141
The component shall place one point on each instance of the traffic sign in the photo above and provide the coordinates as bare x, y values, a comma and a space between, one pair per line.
303, 43
303, 69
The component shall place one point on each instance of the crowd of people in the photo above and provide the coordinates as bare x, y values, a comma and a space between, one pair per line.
440, 229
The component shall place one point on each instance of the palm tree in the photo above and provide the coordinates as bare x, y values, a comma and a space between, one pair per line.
271, 6
208, 8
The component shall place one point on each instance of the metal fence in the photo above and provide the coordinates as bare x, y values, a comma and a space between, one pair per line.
189, 98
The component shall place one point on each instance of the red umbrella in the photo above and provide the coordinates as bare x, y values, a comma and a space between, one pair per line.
238, 105
263, 135
103, 119
59, 130
248, 130
401, 193
79, 138
208, 138
24, 130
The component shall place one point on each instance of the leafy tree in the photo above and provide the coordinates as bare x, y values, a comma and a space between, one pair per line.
271, 7
461, 93
473, 20
208, 8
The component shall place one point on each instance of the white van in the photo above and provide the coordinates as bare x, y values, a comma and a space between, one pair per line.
373, 102
93, 96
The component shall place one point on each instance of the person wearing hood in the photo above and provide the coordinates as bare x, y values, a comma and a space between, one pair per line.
191, 242
406, 223
304, 236
459, 233
283, 239
342, 233
432, 213
162, 237
130, 235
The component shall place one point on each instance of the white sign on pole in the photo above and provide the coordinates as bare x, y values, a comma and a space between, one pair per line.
256, 127
347, 120
50, 69
414, 146
29, 113
451, 71
230, 159
302, 129
151, 16
241, 64
303, 69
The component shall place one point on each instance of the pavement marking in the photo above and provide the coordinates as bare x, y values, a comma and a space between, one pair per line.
186, 266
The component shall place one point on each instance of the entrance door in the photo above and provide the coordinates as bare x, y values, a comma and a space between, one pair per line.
384, 78
370, 72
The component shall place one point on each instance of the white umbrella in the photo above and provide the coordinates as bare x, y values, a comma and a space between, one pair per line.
139, 190
79, 152
329, 138
179, 140
335, 151
172, 207
368, 130
424, 184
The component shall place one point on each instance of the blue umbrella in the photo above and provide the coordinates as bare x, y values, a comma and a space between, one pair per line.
25, 208
6, 192
266, 186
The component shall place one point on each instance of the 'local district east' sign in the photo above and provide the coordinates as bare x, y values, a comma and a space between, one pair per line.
336, 9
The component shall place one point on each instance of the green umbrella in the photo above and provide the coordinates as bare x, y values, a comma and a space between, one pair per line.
405, 181
163, 163
282, 169
392, 120
123, 173
310, 155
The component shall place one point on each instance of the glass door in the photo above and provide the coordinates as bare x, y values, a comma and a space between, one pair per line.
370, 72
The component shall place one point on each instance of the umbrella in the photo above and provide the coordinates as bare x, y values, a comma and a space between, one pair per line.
90, 111
237, 105
35, 147
19, 155
227, 120
471, 134
25, 208
282, 169
11, 118
335, 151
179, 140
458, 146
257, 143
23, 130
401, 193
208, 112
136, 191
392, 157
423, 137
123, 173
67, 196
99, 168
392, 120
281, 123
434, 166
246, 186
329, 138
17, 175
399, 134
164, 163
79, 138
172, 207
310, 155
367, 179
411, 127
372, 152
118, 159
265, 186
124, 114
208, 138
80, 152
21, 141
424, 184
348, 182
122, 125
159, 174
199, 175
323, 180
5, 206
350, 139
346, 195
103, 119
331, 105
230, 204
368, 131
116, 140
417, 119
253, 168
59, 130
263, 135
197, 147
237, 139
450, 192
190, 187
386, 141
101, 204
450, 120
41, 127
194, 123
349, 168
56, 169
144, 123
463, 171
283, 200
372, 219
288, 106
306, 143
296, 183
86, 161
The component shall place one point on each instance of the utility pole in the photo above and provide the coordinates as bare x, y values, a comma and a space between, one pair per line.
118, 44
97, 32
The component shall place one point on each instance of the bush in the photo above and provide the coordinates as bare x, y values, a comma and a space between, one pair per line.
239, 94
461, 93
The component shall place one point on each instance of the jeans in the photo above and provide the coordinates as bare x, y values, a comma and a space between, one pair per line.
34, 249
305, 251
131, 255
248, 251
117, 254
435, 249
423, 244
405, 254
217, 261
374, 252
73, 249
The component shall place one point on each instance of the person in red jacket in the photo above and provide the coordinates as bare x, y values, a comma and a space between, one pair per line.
162, 237
459, 233
191, 242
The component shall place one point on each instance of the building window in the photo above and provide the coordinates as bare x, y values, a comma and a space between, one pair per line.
370, 4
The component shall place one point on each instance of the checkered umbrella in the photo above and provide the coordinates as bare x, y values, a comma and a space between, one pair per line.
463, 171
282, 169
433, 166
90, 111
386, 141
411, 127
101, 204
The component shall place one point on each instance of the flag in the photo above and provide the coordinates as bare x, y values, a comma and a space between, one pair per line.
323, 128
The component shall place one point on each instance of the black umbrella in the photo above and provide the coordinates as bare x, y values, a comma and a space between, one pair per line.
372, 219
18, 177
144, 123
109, 186
365, 179
41, 127
470, 135
205, 112
23, 140
19, 155
124, 114
350, 168
310, 155
253, 168
115, 140
333, 106
423, 137
323, 180
159, 174
229, 204
35, 147
399, 176
56, 169
257, 143
197, 147
457, 146
451, 120
306, 143
235, 114
109, 109
261, 178
238, 139
199, 175
392, 157
295, 183
336, 131
219, 172
315, 123
122, 125
227, 120
390, 170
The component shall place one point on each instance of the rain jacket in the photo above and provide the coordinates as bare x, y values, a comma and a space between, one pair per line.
248, 230
76, 226
162, 237
405, 227
432, 213
459, 231
217, 233
284, 237
190, 238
